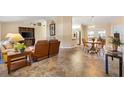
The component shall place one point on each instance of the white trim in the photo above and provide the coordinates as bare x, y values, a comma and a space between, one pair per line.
68, 47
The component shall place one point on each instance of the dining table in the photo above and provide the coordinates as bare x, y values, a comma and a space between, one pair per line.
93, 48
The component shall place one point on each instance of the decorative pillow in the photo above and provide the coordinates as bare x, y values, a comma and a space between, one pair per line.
7, 45
1, 46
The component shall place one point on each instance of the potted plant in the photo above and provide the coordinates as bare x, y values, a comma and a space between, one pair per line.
20, 47
115, 43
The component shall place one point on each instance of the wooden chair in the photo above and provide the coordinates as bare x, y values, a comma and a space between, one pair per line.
85, 46
41, 50
53, 47
100, 47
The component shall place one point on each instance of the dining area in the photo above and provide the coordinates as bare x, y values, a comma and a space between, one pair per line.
93, 45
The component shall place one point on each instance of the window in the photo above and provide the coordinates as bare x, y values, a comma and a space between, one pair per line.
91, 34
96, 34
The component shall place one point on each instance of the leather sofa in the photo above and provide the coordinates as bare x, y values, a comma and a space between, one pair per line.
44, 49
53, 47
41, 50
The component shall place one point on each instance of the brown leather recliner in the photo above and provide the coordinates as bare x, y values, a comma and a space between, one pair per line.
41, 50
53, 47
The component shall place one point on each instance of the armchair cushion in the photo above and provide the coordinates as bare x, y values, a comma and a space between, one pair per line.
41, 50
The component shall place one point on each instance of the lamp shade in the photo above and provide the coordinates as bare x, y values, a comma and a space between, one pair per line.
9, 35
14, 37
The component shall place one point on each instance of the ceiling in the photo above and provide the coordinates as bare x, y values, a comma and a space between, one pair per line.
22, 18
92, 20
76, 20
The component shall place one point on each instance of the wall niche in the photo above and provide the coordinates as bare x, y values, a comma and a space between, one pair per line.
28, 34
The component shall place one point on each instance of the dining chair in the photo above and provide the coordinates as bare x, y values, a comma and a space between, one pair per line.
100, 47
85, 46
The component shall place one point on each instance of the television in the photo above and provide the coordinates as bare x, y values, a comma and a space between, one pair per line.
27, 34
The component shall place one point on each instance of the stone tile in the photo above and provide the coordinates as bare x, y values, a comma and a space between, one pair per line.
68, 63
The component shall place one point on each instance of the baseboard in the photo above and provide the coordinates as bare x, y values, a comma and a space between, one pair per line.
68, 47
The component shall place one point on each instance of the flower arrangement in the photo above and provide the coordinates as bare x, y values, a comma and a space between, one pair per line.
20, 47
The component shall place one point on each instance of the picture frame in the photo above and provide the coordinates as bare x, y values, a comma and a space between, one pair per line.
52, 30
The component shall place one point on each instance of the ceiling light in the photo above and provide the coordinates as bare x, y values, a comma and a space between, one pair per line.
92, 26
76, 26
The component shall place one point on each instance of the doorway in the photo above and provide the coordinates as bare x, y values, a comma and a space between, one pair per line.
76, 35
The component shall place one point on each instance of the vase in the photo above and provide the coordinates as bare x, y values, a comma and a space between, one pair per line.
22, 50
115, 48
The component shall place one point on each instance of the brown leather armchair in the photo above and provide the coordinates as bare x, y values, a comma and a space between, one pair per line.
41, 50
53, 47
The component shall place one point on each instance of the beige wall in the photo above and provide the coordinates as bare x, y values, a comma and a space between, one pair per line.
0, 31
64, 31
40, 31
118, 25
119, 20
84, 30
53, 21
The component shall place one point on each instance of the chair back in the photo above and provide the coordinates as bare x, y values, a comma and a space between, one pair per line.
84, 42
41, 48
53, 47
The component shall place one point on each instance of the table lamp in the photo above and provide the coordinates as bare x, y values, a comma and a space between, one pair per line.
14, 37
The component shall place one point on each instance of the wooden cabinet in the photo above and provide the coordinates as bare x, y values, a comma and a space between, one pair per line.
28, 34
16, 60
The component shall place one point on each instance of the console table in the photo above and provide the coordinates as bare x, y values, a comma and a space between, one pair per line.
16, 60
112, 54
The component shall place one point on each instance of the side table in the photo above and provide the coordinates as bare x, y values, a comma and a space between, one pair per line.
14, 58
112, 54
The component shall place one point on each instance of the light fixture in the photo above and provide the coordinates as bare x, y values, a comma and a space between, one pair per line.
76, 26
91, 20
36, 24
91, 26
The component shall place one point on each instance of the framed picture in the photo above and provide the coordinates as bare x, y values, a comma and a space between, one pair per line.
52, 30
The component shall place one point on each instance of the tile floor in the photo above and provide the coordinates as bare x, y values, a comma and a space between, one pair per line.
68, 63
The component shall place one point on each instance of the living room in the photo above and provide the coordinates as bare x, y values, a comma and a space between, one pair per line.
63, 31
88, 58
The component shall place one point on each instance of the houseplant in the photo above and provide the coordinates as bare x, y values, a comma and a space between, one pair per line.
20, 47
115, 43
